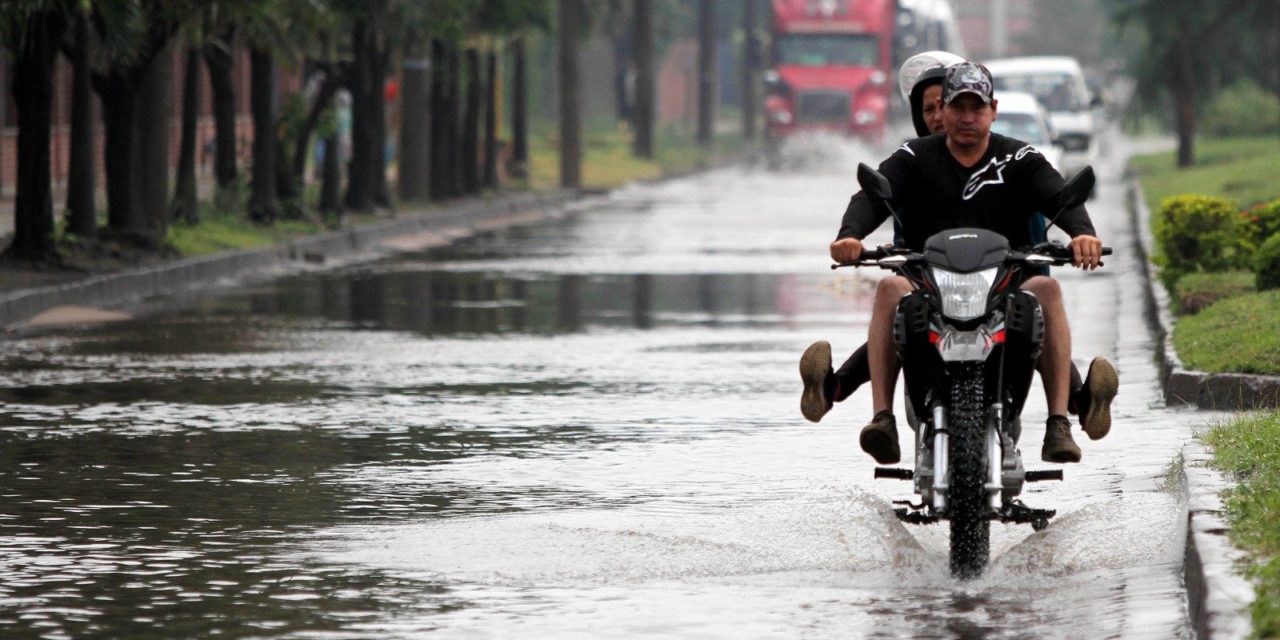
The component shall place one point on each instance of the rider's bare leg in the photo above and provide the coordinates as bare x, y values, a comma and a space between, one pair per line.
1055, 353
882, 354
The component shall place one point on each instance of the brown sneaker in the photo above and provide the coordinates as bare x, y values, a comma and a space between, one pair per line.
815, 367
1058, 445
1095, 398
880, 438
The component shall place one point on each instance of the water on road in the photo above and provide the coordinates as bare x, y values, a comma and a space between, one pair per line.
583, 429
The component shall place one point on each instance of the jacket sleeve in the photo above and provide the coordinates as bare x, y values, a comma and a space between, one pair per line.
862, 216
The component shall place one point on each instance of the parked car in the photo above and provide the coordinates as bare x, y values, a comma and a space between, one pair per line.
1019, 115
1058, 83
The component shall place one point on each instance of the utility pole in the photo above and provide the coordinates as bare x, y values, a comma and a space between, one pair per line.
706, 72
999, 28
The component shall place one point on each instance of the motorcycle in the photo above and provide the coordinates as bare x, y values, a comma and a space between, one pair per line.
968, 339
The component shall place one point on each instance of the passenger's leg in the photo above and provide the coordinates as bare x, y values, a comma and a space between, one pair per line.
880, 437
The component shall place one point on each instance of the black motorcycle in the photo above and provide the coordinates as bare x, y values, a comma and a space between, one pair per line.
968, 339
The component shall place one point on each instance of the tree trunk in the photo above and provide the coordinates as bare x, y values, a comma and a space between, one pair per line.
642, 144
452, 126
264, 205
570, 125
360, 195
437, 151
322, 102
490, 176
218, 60
519, 113
331, 174
185, 200
117, 93
32, 89
379, 61
1184, 93
154, 114
471, 125
81, 210
622, 99
415, 138
750, 63
706, 72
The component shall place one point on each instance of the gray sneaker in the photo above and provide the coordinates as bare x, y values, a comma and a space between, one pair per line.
1098, 391
880, 438
1058, 445
815, 366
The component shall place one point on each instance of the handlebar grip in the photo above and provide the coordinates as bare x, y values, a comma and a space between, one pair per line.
1106, 251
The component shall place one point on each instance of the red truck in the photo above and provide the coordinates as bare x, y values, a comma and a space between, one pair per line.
832, 65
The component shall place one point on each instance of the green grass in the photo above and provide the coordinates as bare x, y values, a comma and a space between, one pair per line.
608, 161
219, 230
1195, 291
1249, 449
1246, 170
1240, 334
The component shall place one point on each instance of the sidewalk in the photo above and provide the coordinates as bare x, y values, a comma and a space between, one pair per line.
26, 293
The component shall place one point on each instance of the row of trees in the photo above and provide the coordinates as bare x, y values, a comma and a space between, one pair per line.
447, 53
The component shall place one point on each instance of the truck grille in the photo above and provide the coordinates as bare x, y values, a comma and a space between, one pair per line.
822, 106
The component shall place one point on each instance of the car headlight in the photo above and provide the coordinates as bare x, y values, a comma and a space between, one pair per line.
964, 295
865, 116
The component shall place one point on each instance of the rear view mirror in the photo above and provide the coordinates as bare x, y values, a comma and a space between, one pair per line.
874, 184
1077, 190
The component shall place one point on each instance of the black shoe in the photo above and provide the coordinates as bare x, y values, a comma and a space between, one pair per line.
815, 371
1094, 398
1058, 445
880, 438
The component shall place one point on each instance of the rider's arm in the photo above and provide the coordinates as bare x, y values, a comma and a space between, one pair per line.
1085, 246
862, 217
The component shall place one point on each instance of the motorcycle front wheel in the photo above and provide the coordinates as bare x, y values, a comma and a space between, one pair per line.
967, 458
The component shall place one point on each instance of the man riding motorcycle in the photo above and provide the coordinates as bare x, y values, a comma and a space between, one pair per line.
981, 180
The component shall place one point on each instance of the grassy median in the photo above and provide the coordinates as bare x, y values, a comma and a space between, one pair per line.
1239, 331
1246, 170
1248, 448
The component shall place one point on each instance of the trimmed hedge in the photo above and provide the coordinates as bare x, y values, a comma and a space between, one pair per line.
1267, 263
1200, 233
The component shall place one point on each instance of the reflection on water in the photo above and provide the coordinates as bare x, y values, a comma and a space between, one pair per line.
572, 430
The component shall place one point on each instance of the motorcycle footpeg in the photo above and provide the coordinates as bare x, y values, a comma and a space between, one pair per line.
1040, 475
894, 473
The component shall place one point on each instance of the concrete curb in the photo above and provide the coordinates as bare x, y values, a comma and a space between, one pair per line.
1218, 597
415, 231
1218, 391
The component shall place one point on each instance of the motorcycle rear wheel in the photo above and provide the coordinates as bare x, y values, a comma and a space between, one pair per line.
967, 458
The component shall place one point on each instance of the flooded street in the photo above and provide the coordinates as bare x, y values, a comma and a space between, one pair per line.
576, 430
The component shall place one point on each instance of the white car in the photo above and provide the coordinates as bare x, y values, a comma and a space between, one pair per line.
1058, 83
1019, 115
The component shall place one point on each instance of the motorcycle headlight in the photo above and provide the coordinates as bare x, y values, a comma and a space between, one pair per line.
964, 295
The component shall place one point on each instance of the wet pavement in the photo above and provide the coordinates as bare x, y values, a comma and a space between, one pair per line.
582, 429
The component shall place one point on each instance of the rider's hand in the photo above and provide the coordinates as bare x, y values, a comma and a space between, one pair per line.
1086, 252
846, 250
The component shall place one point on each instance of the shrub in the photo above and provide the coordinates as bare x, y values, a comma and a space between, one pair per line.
1263, 221
1267, 263
1201, 233
1196, 291
1243, 109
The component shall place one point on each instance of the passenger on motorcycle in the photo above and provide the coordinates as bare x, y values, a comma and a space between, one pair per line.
976, 179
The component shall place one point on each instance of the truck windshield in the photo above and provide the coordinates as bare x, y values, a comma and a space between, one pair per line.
1056, 91
822, 49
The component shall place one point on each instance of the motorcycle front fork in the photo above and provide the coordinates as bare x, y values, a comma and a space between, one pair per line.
940, 472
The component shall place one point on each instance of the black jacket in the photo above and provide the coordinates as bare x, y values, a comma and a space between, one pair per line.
933, 192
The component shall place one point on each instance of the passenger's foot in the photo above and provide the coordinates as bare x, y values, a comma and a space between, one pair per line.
1058, 445
880, 438
1094, 398
815, 372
